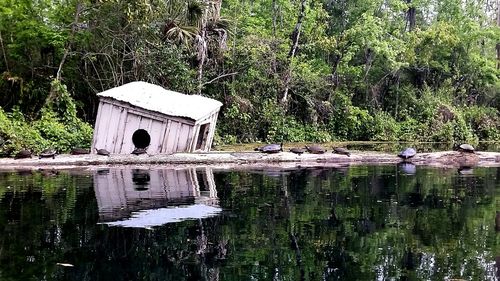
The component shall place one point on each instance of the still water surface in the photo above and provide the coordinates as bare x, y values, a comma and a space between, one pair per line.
351, 223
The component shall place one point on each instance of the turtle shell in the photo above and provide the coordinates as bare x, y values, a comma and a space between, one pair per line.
102, 151
315, 149
408, 152
271, 148
139, 151
465, 147
23, 154
341, 150
48, 153
297, 150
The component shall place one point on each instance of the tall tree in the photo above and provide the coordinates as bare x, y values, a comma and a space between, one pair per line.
498, 24
411, 15
293, 50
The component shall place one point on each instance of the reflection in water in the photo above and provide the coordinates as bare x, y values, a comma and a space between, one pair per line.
141, 179
466, 171
146, 198
407, 168
353, 223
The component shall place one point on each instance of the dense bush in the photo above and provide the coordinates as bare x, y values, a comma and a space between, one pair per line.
49, 131
58, 127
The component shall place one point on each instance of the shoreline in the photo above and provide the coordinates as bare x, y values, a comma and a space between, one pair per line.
228, 159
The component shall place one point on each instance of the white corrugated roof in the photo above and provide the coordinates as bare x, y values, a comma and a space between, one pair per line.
153, 97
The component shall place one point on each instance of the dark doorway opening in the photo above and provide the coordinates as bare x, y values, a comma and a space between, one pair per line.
141, 138
202, 136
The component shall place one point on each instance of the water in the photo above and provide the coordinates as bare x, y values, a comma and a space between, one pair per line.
348, 223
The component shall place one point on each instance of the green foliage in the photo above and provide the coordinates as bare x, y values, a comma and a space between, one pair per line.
63, 135
348, 121
385, 127
58, 126
484, 120
47, 132
17, 134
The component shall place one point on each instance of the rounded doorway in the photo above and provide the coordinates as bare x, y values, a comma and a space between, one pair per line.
141, 138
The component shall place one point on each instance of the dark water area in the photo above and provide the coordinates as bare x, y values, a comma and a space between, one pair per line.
392, 222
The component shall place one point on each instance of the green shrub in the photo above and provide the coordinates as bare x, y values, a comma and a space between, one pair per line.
17, 134
63, 136
60, 129
385, 128
484, 121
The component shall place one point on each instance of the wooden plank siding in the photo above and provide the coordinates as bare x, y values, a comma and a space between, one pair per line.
194, 133
156, 133
96, 127
164, 147
118, 133
131, 125
183, 138
102, 125
171, 139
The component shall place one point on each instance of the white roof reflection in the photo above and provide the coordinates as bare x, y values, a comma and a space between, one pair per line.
158, 217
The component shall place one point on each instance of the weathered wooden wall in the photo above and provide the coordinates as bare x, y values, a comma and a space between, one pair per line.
116, 122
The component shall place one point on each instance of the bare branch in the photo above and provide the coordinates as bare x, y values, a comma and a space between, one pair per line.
219, 77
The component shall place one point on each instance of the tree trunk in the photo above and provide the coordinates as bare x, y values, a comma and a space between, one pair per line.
411, 16
78, 10
212, 12
293, 51
55, 86
274, 44
201, 48
4, 53
498, 44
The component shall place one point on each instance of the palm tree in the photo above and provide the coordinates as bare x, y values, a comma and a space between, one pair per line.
197, 23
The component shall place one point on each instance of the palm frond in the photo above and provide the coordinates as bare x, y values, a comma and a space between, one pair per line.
194, 11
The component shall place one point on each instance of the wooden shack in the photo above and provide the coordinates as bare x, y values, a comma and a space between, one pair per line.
143, 115
131, 194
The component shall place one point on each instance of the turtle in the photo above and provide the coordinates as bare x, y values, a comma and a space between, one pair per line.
465, 147
407, 153
102, 151
315, 149
341, 150
24, 153
271, 148
297, 150
139, 151
79, 151
48, 153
